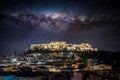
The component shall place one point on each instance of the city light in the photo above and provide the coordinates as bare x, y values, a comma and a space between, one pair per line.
53, 46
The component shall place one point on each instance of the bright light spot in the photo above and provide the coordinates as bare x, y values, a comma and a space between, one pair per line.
18, 63
55, 16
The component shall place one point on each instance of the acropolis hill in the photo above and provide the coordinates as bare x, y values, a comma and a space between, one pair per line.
62, 45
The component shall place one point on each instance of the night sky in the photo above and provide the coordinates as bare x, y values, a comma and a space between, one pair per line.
23, 22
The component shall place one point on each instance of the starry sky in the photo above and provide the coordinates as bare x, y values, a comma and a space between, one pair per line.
23, 22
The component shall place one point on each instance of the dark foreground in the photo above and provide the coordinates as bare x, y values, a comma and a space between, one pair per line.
77, 75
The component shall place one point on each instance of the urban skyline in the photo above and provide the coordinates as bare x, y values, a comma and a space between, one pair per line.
65, 60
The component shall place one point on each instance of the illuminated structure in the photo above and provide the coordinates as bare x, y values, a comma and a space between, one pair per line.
59, 46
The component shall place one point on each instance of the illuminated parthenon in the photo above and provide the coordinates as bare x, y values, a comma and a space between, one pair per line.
61, 45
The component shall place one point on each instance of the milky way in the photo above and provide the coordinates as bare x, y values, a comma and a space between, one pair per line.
60, 21
50, 21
